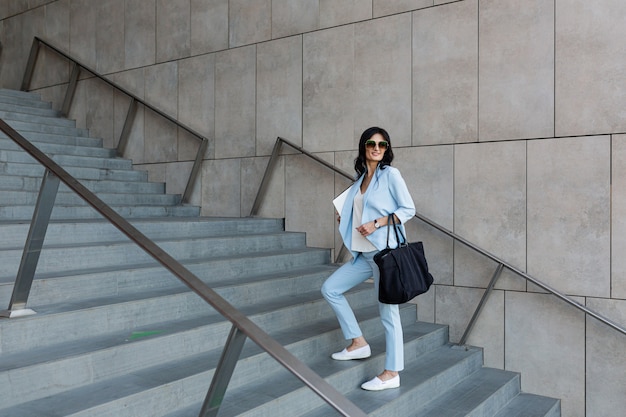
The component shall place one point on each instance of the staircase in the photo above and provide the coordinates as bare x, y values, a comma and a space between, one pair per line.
117, 335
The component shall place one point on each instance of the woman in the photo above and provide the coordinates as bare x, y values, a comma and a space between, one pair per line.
378, 192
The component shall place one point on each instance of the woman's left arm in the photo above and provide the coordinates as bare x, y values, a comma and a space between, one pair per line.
400, 193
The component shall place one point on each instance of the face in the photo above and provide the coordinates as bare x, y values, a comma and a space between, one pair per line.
375, 148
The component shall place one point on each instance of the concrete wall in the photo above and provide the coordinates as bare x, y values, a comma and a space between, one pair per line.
508, 119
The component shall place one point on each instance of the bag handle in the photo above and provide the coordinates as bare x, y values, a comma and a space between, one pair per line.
392, 220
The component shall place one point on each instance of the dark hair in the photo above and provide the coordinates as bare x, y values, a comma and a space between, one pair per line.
359, 163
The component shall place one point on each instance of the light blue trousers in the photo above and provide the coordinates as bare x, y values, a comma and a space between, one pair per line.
348, 276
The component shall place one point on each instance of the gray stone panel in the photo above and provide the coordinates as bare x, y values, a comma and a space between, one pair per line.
196, 94
161, 87
139, 33
250, 21
545, 341
291, 17
516, 69
109, 36
606, 359
279, 93
273, 202
335, 13
328, 90
429, 175
235, 102
455, 307
590, 82
209, 26
445, 86
83, 24
51, 68
569, 234
177, 176
387, 7
310, 191
618, 217
490, 209
221, 181
382, 72
173, 31
160, 140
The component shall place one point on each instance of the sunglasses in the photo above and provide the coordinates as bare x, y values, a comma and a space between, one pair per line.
372, 144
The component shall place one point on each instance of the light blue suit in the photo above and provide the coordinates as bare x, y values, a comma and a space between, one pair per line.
386, 194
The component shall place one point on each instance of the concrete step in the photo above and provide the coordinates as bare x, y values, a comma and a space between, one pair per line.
33, 169
25, 213
12, 235
138, 349
24, 126
58, 148
33, 184
68, 160
93, 284
42, 117
529, 405
33, 109
68, 198
59, 139
65, 258
22, 97
189, 377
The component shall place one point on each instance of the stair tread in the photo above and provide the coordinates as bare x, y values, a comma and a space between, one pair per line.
530, 405
92, 395
189, 263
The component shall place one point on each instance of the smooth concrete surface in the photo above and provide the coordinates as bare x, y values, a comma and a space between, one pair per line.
328, 89
279, 93
445, 85
382, 70
545, 338
589, 90
606, 359
569, 214
516, 76
235, 102
484, 79
490, 208
618, 218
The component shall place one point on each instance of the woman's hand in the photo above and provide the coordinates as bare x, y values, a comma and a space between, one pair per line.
366, 229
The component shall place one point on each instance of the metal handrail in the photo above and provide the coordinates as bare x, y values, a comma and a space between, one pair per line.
242, 326
132, 109
501, 264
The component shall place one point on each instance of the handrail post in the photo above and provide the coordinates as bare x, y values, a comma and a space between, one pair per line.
195, 169
30, 65
128, 123
266, 176
71, 89
32, 247
223, 373
483, 300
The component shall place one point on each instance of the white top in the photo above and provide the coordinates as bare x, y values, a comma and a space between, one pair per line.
359, 242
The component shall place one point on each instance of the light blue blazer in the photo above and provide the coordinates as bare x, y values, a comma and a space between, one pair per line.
386, 194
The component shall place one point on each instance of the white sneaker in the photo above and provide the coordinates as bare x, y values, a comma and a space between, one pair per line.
377, 384
359, 353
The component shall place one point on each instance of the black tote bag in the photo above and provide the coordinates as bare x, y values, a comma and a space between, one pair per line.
403, 270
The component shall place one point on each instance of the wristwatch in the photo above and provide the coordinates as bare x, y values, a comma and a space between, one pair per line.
376, 224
